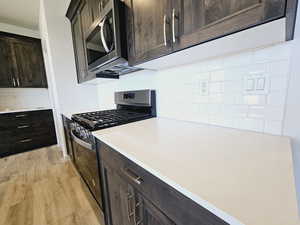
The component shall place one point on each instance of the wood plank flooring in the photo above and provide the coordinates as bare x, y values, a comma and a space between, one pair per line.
41, 188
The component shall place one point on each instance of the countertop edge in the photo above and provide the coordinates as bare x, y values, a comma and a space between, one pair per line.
25, 110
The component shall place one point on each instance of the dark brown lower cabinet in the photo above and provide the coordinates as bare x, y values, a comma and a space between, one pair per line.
134, 196
25, 131
129, 207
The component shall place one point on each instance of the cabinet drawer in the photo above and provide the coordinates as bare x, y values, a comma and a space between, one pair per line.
12, 120
30, 143
175, 205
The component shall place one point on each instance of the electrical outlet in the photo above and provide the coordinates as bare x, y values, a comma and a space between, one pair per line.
204, 88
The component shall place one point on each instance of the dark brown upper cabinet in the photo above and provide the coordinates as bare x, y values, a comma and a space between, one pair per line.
149, 29
6, 71
22, 64
197, 21
80, 14
30, 67
157, 28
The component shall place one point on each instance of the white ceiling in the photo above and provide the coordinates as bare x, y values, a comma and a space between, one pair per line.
24, 13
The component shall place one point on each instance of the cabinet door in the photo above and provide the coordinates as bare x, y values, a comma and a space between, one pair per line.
6, 79
128, 206
120, 198
30, 70
149, 29
79, 50
147, 214
197, 21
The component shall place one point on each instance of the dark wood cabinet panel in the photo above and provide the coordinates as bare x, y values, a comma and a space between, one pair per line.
79, 49
149, 28
21, 64
30, 68
128, 206
192, 22
198, 21
6, 73
26, 131
81, 17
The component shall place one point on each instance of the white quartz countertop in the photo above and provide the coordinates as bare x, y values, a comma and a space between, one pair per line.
3, 111
242, 177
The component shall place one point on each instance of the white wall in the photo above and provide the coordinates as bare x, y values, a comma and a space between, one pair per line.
19, 30
67, 95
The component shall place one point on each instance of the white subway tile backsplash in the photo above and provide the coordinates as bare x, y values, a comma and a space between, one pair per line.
243, 91
277, 99
23, 98
273, 127
216, 87
278, 83
279, 68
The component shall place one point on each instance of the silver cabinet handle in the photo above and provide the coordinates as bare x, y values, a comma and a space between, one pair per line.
102, 24
165, 29
132, 176
18, 82
14, 82
22, 115
22, 127
174, 16
26, 140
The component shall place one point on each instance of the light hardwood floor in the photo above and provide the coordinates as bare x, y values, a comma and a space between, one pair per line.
40, 188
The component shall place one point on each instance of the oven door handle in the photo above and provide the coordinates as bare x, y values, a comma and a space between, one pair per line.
102, 24
81, 142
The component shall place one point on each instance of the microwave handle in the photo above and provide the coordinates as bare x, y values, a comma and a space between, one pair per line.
102, 35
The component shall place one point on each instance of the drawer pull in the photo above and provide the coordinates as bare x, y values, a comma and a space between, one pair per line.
22, 127
26, 140
132, 176
93, 181
22, 115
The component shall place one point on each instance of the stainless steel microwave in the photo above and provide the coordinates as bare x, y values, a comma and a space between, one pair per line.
107, 43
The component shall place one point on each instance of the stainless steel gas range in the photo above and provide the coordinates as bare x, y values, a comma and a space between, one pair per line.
131, 106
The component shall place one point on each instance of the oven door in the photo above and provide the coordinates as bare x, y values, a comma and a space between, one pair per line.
87, 165
103, 42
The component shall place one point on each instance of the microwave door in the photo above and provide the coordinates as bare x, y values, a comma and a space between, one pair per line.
101, 41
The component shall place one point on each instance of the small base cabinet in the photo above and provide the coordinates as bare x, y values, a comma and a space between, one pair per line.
25, 131
133, 196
